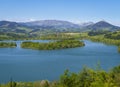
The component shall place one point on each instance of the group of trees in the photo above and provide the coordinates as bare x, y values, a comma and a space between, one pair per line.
97, 32
52, 45
16, 36
105, 40
59, 36
107, 34
87, 77
91, 78
7, 44
113, 35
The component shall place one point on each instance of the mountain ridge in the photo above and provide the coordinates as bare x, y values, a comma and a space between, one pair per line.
53, 26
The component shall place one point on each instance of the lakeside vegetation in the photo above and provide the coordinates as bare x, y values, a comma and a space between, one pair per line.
61, 36
7, 44
14, 36
111, 38
105, 40
87, 77
106, 37
62, 44
95, 36
119, 49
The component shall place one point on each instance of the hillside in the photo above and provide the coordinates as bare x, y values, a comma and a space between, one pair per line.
37, 28
102, 25
53, 25
7, 26
10, 30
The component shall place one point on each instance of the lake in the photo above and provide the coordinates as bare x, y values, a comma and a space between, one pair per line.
33, 65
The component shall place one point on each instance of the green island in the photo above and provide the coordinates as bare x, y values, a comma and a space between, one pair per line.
87, 77
53, 45
7, 44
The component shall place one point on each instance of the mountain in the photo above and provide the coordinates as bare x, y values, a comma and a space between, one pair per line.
7, 26
102, 25
53, 24
50, 26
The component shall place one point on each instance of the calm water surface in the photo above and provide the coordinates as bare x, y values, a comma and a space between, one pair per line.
32, 65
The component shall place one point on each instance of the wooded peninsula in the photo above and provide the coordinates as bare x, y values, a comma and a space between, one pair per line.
62, 44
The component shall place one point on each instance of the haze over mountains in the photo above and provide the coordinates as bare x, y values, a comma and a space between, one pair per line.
53, 23
54, 26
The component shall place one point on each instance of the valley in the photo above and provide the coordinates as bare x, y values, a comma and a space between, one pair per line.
47, 49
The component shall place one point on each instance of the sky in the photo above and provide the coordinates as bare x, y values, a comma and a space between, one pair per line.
77, 11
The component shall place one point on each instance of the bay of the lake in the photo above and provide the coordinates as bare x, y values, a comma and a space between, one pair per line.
33, 65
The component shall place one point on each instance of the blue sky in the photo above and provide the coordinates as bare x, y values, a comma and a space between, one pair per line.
69, 10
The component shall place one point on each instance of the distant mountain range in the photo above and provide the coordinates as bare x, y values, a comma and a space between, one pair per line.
53, 23
37, 27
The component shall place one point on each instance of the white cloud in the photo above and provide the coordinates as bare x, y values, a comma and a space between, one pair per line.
117, 23
20, 19
31, 19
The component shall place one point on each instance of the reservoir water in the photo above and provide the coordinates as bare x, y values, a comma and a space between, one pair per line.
33, 65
